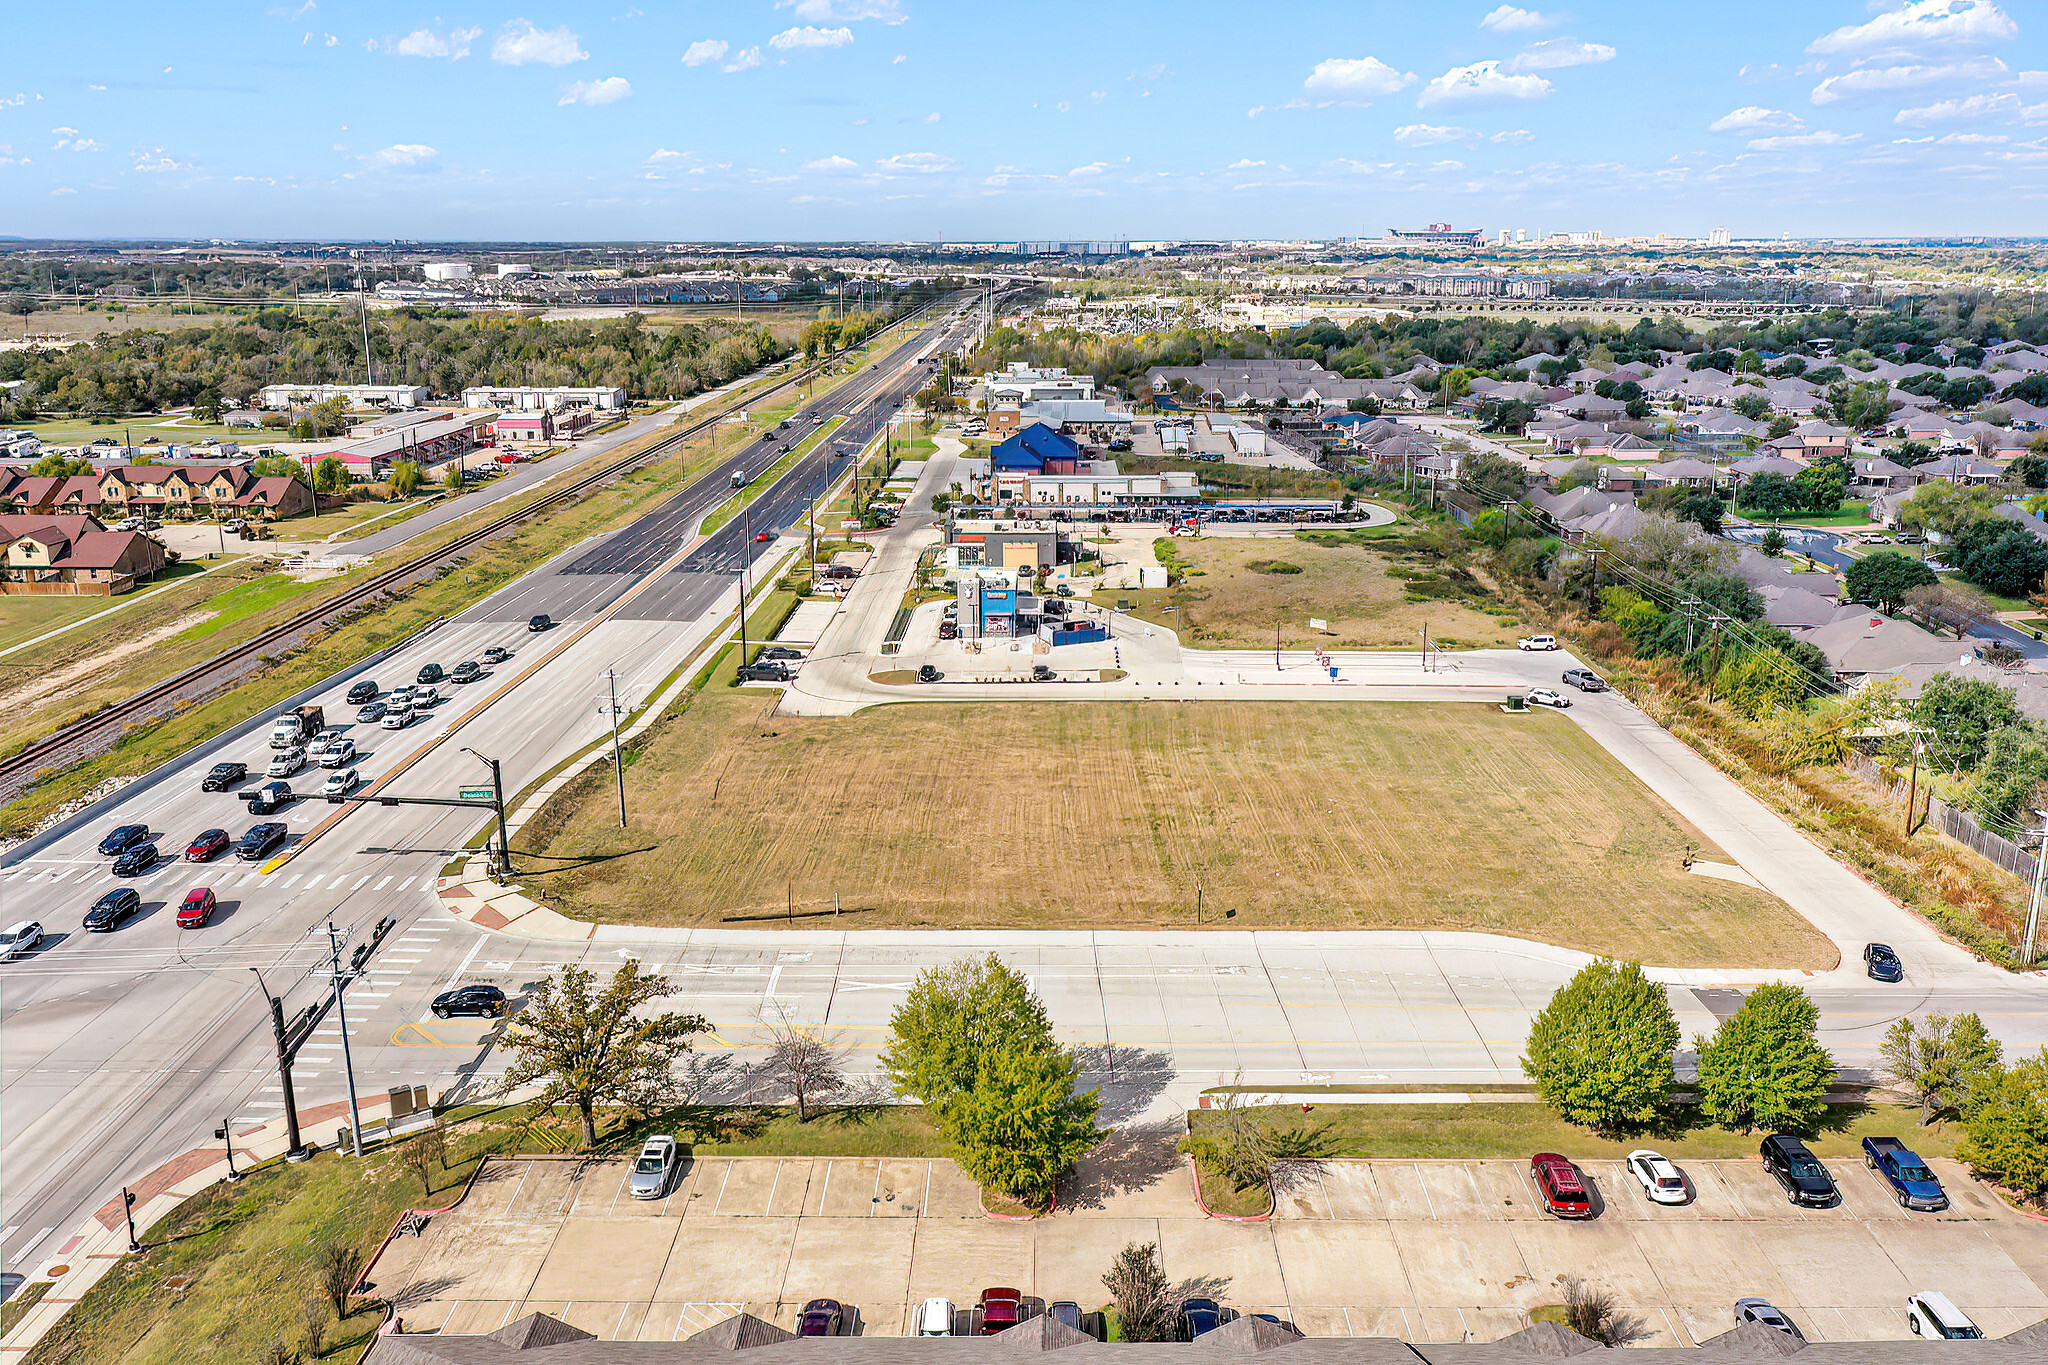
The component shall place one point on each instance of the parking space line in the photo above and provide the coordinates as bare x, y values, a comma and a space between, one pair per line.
721, 1188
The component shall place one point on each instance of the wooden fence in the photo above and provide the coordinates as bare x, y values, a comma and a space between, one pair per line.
1956, 824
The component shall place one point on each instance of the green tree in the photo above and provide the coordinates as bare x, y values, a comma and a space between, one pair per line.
1600, 1051
589, 1047
1022, 1125
2015, 765
1493, 478
1885, 578
1764, 1067
1754, 406
1771, 495
330, 475
1773, 543
2006, 1139
953, 1017
22, 306
404, 478
207, 407
2000, 556
1821, 486
1138, 1289
1960, 715
451, 477
60, 466
1911, 453
1947, 1061
279, 467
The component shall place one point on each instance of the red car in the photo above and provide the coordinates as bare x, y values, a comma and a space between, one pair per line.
765, 535
821, 1318
1564, 1191
209, 845
197, 909
1000, 1309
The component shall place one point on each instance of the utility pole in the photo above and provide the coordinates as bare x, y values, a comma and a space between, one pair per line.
2034, 903
128, 1207
746, 563
611, 707
335, 938
1593, 585
1913, 801
1714, 660
1276, 646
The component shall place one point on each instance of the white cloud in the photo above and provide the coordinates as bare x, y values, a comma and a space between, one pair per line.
746, 59
664, 154
1922, 24
1974, 138
1098, 167
68, 140
401, 155
825, 11
1430, 134
810, 37
522, 44
899, 59
1355, 79
837, 165
1559, 52
1508, 19
932, 117
1481, 83
153, 161
924, 163
63, 189
610, 90
1792, 141
1241, 164
64, 132
1753, 118
1514, 136
1878, 80
424, 42
705, 50
2004, 107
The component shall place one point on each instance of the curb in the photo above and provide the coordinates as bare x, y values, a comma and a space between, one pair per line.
1052, 1207
1195, 1174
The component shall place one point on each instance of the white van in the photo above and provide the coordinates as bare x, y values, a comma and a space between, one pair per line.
935, 1318
1931, 1315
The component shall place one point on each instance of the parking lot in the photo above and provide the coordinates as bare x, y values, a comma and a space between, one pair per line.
1425, 1251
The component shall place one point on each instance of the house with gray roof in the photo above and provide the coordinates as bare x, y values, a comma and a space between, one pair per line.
1961, 469
1872, 643
1871, 475
1746, 469
1685, 474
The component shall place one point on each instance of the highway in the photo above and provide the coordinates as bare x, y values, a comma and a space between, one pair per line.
119, 1051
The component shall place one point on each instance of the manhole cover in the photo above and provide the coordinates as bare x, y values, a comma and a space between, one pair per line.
58, 1272
178, 1282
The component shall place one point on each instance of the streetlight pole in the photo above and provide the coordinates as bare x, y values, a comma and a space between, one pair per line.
335, 938
611, 706
498, 804
226, 1133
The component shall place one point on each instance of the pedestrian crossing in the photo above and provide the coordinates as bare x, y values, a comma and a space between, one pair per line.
98, 874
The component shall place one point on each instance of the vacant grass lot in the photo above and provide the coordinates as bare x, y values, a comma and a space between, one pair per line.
1352, 816
1373, 594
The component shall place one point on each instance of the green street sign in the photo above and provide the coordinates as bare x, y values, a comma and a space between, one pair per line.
479, 794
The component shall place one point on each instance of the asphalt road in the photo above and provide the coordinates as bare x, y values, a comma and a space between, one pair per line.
119, 1051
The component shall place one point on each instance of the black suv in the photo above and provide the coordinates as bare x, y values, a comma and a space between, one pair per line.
268, 798
487, 1001
122, 838
260, 840
539, 623
112, 910
221, 776
429, 674
366, 690
928, 673
1806, 1181
466, 671
1881, 963
134, 859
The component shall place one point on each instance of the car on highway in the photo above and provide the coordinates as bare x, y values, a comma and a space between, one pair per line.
136, 859
285, 762
121, 838
821, 1318
935, 1318
259, 840
1881, 963
655, 1168
468, 671
538, 623
371, 714
271, 796
1546, 696
780, 652
1000, 1308
497, 654
1658, 1177
429, 673
1932, 1315
206, 845
360, 692
397, 718
113, 910
1537, 642
763, 537
1201, 1316
1564, 1193
401, 695
17, 939
341, 783
477, 998
198, 908
221, 776
1760, 1311
1798, 1171
1585, 679
340, 754
928, 673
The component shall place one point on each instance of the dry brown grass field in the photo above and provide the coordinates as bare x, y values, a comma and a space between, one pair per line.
1337, 816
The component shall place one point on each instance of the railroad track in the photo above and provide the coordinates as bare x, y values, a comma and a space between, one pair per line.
92, 734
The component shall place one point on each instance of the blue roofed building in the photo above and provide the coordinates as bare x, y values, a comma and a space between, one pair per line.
1037, 449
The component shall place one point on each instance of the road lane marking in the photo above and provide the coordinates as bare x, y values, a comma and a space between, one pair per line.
359, 882
386, 882
30, 1245
407, 882
313, 881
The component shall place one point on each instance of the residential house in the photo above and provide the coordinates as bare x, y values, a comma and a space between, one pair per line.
1744, 470
2020, 516
1798, 609
1619, 447
1870, 476
1718, 432
2029, 688
274, 497
1961, 469
1863, 644
1821, 439
1685, 474
74, 554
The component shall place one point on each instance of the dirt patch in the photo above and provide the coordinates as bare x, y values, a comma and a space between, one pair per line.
46, 687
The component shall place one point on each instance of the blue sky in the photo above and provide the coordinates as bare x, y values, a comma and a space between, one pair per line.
937, 119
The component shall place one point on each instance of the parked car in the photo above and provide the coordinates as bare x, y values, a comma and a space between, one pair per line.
286, 762
429, 673
1760, 1311
1041, 673
1000, 1308
928, 673
1873, 538
780, 652
270, 797
468, 671
1564, 1193
1065, 1312
497, 654
1199, 1317
206, 845
397, 718
1798, 1170
221, 776
1930, 1314
821, 1318
360, 692
935, 1318
135, 860
1537, 642
1658, 1177
479, 999
1544, 696
772, 670
113, 910
539, 623
198, 908
1880, 963
1913, 1184
121, 838
1910, 538
342, 783
1585, 679
949, 630
655, 1168
24, 937
259, 840
371, 714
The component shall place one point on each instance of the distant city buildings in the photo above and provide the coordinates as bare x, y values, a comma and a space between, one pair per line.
1435, 235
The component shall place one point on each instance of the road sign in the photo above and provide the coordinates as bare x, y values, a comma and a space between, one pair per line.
479, 794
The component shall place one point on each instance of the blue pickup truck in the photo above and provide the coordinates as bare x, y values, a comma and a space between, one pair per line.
1914, 1186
